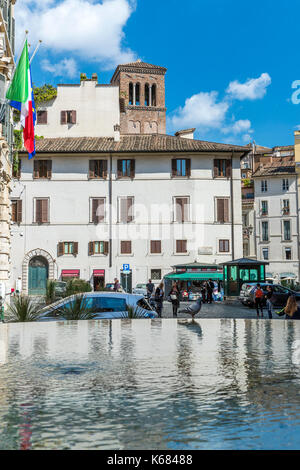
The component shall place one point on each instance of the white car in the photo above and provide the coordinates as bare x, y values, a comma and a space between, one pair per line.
107, 305
140, 289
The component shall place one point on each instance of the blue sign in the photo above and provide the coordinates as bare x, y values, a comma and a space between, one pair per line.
126, 267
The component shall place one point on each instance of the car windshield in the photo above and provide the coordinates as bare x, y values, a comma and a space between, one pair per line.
107, 304
144, 304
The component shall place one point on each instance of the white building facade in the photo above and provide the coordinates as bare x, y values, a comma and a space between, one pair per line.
276, 219
86, 207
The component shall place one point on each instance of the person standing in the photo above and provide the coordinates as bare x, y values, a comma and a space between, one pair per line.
210, 289
269, 296
159, 298
292, 311
174, 294
117, 285
203, 292
258, 294
150, 288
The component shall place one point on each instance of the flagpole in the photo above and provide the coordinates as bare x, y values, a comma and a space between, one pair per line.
22, 47
35, 51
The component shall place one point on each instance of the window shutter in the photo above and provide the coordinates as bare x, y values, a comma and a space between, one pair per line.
106, 248
129, 209
44, 210
19, 211
184, 246
49, 169
178, 246
220, 210
216, 168
174, 167
38, 211
91, 248
75, 252
188, 167
226, 210
60, 249
228, 168
92, 169
63, 117
73, 117
179, 209
94, 210
104, 169
120, 168
132, 168
36, 169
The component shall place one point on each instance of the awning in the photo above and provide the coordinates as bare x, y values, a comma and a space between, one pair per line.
99, 273
70, 273
195, 276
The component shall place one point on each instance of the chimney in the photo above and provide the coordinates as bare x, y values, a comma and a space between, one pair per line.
186, 133
95, 77
117, 130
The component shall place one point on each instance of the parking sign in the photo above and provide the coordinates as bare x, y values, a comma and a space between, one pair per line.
126, 268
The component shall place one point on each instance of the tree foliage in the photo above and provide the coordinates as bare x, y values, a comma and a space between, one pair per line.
44, 93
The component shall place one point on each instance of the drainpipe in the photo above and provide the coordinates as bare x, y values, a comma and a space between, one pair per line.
298, 238
110, 210
232, 210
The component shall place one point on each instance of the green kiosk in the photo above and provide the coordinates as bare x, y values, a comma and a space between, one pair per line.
239, 271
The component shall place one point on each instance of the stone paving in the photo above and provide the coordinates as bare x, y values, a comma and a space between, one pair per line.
219, 310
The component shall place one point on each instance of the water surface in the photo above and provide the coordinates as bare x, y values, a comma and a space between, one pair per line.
142, 384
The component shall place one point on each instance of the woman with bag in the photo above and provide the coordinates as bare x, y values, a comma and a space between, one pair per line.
175, 298
159, 298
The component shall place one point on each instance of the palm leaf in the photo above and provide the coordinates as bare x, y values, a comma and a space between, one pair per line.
22, 309
77, 310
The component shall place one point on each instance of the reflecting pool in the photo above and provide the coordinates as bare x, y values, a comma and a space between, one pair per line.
150, 384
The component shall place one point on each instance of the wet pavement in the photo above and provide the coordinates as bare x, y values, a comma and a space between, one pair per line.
219, 310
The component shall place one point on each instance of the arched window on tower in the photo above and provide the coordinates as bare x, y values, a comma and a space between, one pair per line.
131, 94
147, 95
153, 95
137, 94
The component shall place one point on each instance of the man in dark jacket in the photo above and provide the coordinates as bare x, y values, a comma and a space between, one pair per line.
210, 289
150, 288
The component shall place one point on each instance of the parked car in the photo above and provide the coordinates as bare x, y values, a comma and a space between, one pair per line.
281, 294
107, 305
140, 289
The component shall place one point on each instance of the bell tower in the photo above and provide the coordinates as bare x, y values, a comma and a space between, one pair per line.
142, 98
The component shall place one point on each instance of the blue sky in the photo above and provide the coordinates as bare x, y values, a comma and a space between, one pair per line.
231, 64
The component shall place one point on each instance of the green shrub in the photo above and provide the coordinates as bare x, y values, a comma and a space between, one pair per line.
77, 286
22, 309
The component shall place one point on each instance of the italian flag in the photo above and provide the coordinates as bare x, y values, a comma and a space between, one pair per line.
20, 94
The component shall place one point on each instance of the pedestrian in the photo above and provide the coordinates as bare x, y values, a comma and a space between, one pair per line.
259, 295
269, 297
117, 285
292, 311
159, 298
210, 289
203, 292
150, 288
174, 295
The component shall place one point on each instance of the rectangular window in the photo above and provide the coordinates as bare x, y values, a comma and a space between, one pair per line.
126, 168
264, 186
181, 246
125, 247
288, 254
16, 171
264, 208
67, 248
42, 211
181, 167
42, 169
182, 205
98, 169
222, 168
42, 117
155, 274
265, 231
224, 246
265, 253
285, 184
155, 247
287, 230
126, 208
97, 210
286, 207
16, 211
222, 212
68, 117
98, 248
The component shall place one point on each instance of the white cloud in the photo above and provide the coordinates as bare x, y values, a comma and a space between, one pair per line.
64, 68
242, 125
90, 29
252, 89
202, 111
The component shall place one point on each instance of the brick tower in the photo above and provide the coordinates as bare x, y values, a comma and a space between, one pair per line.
142, 98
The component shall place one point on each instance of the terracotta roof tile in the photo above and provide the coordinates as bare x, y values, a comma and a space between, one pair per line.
276, 169
131, 143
